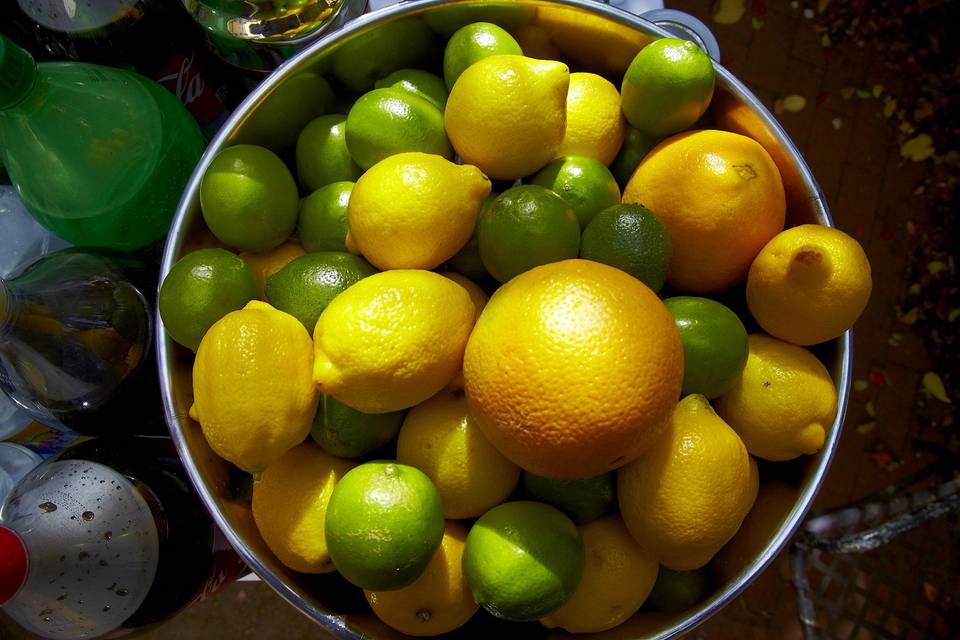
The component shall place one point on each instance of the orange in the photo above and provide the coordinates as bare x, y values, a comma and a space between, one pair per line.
719, 195
730, 114
573, 369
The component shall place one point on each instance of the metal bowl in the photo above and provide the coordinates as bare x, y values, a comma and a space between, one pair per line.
594, 37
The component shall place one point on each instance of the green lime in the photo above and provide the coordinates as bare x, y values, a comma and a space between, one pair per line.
667, 87
676, 591
384, 122
523, 560
636, 145
373, 54
323, 218
583, 500
202, 287
632, 239
526, 226
426, 85
586, 184
322, 155
249, 199
278, 121
344, 432
475, 42
306, 285
467, 261
714, 344
445, 20
384, 522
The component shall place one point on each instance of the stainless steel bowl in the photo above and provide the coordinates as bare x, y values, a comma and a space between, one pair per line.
596, 37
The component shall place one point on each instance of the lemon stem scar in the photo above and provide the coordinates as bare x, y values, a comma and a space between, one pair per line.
810, 265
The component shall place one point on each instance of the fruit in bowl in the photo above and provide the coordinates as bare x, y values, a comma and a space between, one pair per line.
376, 386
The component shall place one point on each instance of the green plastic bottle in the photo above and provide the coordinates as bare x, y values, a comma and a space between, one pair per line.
100, 155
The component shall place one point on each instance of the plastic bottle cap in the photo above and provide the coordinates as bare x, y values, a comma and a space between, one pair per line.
18, 72
14, 563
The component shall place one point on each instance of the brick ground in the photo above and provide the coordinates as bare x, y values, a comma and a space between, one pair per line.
854, 154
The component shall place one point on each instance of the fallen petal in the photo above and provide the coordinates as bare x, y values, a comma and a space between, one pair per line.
794, 103
918, 148
866, 427
934, 386
728, 11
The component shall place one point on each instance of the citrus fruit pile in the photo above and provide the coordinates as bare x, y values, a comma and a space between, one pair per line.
484, 345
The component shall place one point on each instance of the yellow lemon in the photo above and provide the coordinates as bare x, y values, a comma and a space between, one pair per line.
595, 124
686, 496
506, 114
252, 391
414, 210
774, 501
439, 600
809, 284
480, 299
536, 43
618, 577
477, 295
591, 41
265, 265
783, 402
290, 506
440, 438
392, 340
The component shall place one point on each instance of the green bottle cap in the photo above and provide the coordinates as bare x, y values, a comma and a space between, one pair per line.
17, 73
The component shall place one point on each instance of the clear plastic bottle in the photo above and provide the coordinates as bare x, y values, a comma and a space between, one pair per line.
76, 342
100, 156
105, 539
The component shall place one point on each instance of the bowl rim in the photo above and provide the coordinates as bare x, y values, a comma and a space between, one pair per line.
336, 623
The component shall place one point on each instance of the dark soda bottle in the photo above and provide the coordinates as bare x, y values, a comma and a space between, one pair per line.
114, 538
76, 342
156, 38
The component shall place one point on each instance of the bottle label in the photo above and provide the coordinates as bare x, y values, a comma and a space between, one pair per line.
93, 546
43, 440
225, 567
183, 77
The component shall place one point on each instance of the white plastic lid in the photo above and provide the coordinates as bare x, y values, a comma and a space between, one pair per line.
683, 25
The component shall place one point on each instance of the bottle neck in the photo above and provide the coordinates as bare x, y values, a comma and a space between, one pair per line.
18, 75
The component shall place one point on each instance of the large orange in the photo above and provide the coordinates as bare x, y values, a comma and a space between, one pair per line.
730, 114
573, 369
720, 196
